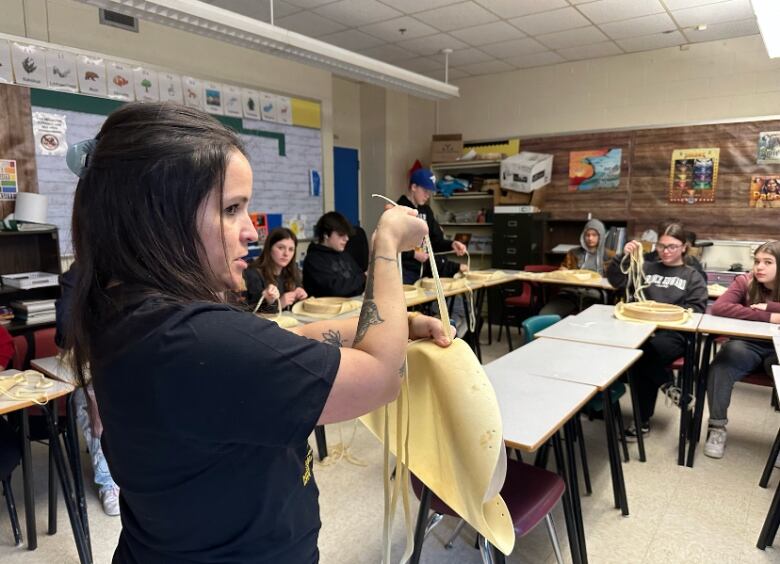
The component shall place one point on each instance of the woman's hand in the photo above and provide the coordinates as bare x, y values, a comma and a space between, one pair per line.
632, 246
400, 228
270, 294
762, 307
424, 327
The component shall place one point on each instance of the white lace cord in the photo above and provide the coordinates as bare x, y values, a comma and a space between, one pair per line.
342, 450
469, 291
636, 275
30, 390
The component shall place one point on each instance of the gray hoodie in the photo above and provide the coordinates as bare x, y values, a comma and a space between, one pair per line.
586, 259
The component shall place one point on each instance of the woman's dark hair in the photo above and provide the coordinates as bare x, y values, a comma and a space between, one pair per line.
755, 295
266, 265
677, 230
135, 213
330, 222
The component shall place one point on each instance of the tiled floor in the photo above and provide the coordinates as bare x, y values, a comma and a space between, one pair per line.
711, 513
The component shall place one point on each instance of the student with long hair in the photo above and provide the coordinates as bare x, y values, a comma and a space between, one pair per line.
755, 297
206, 408
274, 275
670, 280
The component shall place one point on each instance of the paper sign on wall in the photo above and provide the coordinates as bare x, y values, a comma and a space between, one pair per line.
285, 110
50, 132
250, 101
92, 75
170, 87
120, 85
232, 101
29, 62
146, 85
212, 95
8, 180
192, 90
6, 74
61, 71
269, 109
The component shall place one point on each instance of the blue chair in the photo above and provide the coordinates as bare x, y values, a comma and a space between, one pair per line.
533, 325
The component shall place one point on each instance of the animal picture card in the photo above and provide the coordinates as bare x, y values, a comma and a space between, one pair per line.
92, 75
6, 72
192, 90
120, 85
61, 71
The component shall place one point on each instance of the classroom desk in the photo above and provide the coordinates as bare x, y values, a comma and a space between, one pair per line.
583, 363
776, 341
713, 326
8, 406
533, 410
599, 330
602, 284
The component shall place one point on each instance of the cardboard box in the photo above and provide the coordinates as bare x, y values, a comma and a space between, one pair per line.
503, 197
446, 148
526, 171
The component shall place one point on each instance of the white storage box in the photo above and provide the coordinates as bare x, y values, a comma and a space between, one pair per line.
526, 172
28, 280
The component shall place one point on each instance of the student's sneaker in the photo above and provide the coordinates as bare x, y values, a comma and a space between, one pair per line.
631, 433
461, 326
109, 497
674, 395
716, 442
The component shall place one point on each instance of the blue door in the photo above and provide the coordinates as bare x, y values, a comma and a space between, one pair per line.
345, 173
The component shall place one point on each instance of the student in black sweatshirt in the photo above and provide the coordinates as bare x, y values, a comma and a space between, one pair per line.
671, 281
327, 270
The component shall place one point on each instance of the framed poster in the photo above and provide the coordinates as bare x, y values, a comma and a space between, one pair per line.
594, 170
765, 192
693, 175
768, 147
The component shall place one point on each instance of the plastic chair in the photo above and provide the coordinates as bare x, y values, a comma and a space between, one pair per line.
10, 456
530, 494
526, 301
20, 360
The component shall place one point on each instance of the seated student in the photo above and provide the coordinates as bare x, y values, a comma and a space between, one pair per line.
274, 274
422, 185
357, 246
670, 281
590, 255
756, 297
327, 269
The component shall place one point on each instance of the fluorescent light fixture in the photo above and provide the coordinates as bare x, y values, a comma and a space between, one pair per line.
197, 17
768, 17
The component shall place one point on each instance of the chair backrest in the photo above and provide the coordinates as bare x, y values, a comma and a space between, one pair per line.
533, 325
43, 343
19, 360
539, 268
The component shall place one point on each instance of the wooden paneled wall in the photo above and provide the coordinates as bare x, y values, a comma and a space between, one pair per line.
16, 139
642, 197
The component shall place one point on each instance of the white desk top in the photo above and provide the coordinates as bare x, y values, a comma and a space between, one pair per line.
532, 407
53, 367
584, 363
601, 312
602, 284
731, 327
776, 341
57, 389
600, 331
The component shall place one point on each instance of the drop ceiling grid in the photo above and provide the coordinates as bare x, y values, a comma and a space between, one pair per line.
492, 36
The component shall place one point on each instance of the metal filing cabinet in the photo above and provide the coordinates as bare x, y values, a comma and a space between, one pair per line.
518, 239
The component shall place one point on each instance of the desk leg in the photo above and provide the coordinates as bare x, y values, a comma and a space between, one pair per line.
572, 530
322, 443
570, 434
79, 536
701, 389
72, 447
27, 474
640, 441
422, 518
616, 466
766, 537
686, 387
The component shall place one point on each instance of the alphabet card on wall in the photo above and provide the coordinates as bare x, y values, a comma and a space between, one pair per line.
192, 90
61, 71
120, 86
6, 72
212, 96
29, 62
269, 107
232, 101
146, 85
285, 110
251, 103
170, 87
693, 175
92, 75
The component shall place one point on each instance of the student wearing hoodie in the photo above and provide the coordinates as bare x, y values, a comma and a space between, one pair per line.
755, 297
327, 270
671, 281
590, 255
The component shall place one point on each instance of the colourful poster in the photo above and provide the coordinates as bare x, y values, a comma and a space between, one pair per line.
594, 170
765, 192
8, 180
768, 147
694, 175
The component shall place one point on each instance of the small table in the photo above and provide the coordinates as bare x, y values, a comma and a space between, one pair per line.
533, 410
598, 329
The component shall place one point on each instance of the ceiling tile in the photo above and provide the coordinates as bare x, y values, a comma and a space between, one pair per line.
594, 51
414, 6
535, 60
388, 30
453, 74
457, 16
516, 8
491, 67
307, 4
432, 44
572, 38
654, 41
646, 25
488, 33
723, 30
388, 53
548, 22
351, 39
353, 13
614, 10
256, 10
514, 48
680, 4
309, 23
422, 64
468, 56
729, 11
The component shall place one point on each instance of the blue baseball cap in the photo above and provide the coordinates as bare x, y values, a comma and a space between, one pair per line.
424, 178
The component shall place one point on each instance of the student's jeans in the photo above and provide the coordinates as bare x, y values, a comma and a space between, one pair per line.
652, 368
103, 477
735, 360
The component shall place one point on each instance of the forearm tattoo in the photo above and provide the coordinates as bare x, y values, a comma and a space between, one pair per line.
369, 313
333, 337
